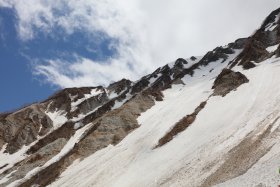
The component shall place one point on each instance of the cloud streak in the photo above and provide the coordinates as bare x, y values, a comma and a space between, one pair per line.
149, 33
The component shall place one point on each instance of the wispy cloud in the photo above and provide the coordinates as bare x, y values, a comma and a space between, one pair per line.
150, 33
83, 72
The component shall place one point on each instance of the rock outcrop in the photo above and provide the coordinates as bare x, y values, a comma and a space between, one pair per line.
255, 49
227, 81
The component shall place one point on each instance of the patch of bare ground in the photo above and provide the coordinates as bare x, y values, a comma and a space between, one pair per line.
108, 129
180, 126
242, 157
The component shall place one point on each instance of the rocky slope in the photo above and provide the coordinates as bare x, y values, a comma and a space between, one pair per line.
203, 121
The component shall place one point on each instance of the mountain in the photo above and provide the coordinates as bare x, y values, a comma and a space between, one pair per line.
204, 121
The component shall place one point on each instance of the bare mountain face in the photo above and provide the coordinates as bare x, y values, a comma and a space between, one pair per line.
202, 121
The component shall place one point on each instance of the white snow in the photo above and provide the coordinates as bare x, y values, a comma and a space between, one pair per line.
66, 149
139, 142
153, 79
194, 154
11, 159
81, 116
273, 48
118, 104
272, 26
264, 172
221, 125
134, 155
93, 92
113, 95
58, 118
7, 177
189, 60
192, 62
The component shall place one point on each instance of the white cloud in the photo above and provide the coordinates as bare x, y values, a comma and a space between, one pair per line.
150, 32
84, 72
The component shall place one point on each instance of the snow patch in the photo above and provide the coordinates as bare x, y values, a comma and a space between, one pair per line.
272, 26
58, 118
94, 92
118, 104
273, 48
66, 149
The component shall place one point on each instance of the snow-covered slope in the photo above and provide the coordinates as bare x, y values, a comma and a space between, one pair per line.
203, 121
245, 116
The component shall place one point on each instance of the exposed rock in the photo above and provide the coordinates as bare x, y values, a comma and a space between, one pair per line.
227, 81
89, 104
35, 160
24, 127
255, 47
110, 122
65, 132
248, 65
219, 53
139, 86
238, 44
62, 99
115, 125
178, 81
193, 58
180, 126
119, 86
178, 66
110, 129
277, 52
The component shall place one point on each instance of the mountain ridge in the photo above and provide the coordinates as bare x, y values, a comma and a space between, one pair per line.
40, 143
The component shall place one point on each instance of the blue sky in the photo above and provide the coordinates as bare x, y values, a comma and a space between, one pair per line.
17, 82
46, 45
19, 85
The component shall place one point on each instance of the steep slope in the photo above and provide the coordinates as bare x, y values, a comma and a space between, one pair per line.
203, 121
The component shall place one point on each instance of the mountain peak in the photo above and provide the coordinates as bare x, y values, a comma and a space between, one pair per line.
263, 44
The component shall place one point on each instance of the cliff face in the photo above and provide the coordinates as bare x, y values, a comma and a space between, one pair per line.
203, 121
